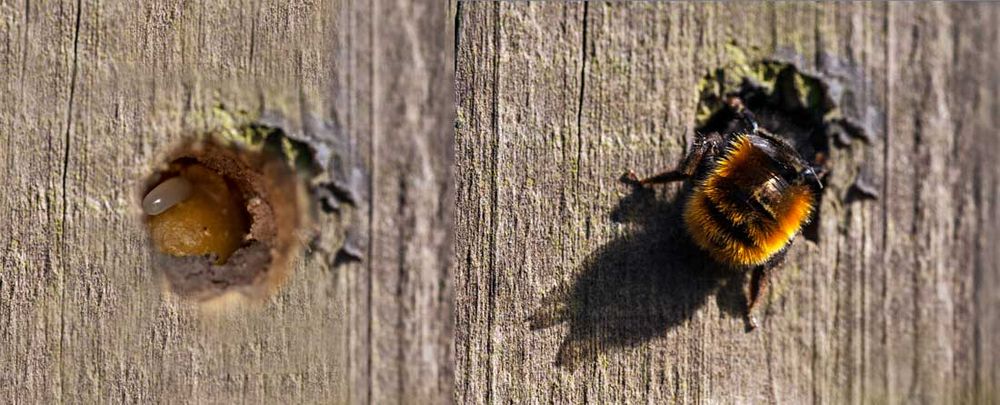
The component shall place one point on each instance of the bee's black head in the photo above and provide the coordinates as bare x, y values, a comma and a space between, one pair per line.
786, 160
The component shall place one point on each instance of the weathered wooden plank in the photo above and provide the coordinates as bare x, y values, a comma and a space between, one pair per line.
94, 92
893, 303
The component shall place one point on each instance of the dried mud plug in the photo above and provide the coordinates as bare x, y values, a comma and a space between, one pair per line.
228, 212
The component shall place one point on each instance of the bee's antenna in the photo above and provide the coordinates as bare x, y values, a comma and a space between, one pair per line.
751, 121
811, 174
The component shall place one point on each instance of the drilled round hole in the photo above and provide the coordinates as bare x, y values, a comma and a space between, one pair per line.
802, 108
226, 215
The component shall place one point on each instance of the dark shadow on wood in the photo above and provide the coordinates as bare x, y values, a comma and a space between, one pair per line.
639, 286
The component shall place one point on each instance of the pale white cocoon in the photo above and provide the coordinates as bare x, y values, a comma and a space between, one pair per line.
166, 195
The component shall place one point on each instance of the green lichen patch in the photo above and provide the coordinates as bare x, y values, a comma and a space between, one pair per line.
777, 84
803, 107
241, 129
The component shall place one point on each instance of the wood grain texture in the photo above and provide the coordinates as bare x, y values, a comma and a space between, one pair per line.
571, 289
95, 91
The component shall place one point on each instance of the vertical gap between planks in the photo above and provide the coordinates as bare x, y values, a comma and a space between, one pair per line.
373, 178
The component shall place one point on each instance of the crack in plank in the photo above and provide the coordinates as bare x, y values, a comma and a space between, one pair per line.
491, 291
583, 85
65, 174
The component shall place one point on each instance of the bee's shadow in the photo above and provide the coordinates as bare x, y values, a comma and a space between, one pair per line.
638, 286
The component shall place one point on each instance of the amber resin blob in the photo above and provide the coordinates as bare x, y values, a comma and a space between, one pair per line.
196, 213
226, 215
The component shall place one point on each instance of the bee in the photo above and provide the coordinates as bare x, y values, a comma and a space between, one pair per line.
750, 195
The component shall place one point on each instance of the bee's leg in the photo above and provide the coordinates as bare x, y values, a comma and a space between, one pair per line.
759, 280
662, 178
704, 147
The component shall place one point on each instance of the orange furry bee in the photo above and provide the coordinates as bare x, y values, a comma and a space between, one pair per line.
751, 194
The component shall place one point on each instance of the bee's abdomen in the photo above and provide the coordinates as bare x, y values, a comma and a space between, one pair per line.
742, 213
727, 240
744, 238
724, 229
